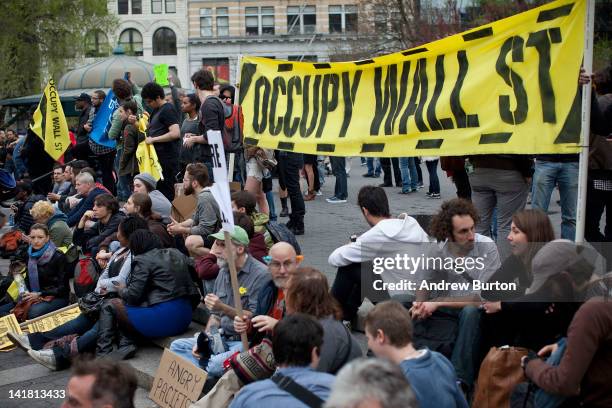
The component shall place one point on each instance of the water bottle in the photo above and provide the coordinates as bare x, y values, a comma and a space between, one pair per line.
11, 219
22, 288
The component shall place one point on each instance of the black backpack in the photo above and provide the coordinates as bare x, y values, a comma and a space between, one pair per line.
280, 232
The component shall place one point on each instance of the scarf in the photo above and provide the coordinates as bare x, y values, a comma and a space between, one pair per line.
35, 258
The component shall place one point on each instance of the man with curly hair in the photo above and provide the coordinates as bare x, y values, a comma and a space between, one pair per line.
460, 258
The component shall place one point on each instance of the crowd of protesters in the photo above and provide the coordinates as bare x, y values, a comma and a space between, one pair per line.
432, 347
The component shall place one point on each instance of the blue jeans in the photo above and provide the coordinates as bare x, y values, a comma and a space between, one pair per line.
184, 347
371, 169
339, 170
410, 178
43, 308
467, 346
546, 175
124, 189
434, 182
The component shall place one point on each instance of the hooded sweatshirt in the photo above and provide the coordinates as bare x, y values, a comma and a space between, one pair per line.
385, 239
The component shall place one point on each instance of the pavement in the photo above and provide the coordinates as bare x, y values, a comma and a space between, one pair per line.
327, 227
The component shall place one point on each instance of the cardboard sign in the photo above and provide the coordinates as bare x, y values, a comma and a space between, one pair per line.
54, 319
161, 74
8, 324
221, 188
178, 383
183, 206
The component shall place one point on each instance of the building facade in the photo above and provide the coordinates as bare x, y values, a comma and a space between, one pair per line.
153, 30
221, 31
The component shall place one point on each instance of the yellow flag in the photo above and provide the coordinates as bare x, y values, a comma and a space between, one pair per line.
49, 122
510, 86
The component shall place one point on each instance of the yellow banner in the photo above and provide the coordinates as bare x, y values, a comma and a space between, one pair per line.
49, 122
53, 320
506, 87
8, 323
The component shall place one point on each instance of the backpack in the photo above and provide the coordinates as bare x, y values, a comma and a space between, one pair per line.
232, 135
280, 232
86, 274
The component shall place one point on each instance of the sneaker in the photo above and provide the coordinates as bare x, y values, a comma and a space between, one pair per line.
420, 186
44, 357
336, 200
407, 191
428, 194
20, 340
319, 193
434, 195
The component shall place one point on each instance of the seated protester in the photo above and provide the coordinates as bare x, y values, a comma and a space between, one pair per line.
308, 292
60, 195
371, 382
385, 230
584, 368
61, 186
206, 219
530, 230
145, 183
60, 233
86, 188
244, 202
128, 165
153, 293
45, 283
66, 202
296, 344
561, 270
206, 266
448, 321
252, 277
388, 328
139, 204
25, 200
107, 218
57, 347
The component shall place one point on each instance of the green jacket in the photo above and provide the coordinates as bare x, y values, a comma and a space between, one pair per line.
117, 124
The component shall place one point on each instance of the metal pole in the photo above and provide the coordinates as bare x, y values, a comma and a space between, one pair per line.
586, 123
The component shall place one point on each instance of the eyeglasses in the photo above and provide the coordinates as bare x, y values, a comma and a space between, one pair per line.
226, 97
276, 265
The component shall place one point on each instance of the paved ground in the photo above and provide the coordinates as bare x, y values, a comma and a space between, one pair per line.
327, 227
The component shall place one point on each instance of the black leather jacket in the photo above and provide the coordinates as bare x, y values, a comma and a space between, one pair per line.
160, 275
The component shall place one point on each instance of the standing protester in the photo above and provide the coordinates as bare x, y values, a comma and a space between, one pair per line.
164, 134
341, 188
132, 136
386, 164
190, 153
455, 169
125, 91
290, 164
83, 104
410, 177
212, 115
434, 181
96, 102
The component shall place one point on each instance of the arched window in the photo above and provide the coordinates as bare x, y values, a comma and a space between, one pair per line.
96, 44
131, 41
164, 42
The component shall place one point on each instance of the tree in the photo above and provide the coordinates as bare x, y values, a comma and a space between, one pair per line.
40, 38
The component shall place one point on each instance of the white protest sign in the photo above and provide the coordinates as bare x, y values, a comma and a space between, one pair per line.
178, 383
220, 189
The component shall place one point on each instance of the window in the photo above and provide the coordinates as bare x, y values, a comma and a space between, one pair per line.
222, 22
170, 6
303, 58
122, 6
96, 44
219, 68
259, 20
136, 6
206, 22
164, 42
343, 19
301, 20
156, 6
131, 41
380, 21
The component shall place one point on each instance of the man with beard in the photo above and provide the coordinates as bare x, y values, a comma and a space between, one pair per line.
205, 220
461, 257
220, 340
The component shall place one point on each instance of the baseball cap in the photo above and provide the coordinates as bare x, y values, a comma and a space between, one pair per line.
239, 235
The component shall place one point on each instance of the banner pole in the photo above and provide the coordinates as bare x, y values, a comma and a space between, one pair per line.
231, 263
586, 123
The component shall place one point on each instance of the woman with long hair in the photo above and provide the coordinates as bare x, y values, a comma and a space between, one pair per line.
45, 288
141, 204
